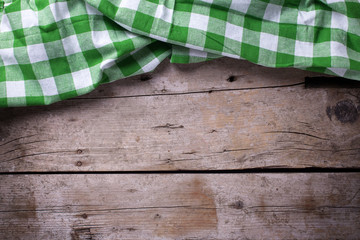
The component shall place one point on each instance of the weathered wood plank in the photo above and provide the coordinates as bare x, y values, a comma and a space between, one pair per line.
218, 206
279, 126
220, 74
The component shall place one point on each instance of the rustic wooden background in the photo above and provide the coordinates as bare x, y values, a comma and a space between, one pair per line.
216, 150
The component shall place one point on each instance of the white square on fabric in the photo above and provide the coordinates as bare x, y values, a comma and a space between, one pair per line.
339, 71
240, 5
29, 18
233, 32
151, 65
131, 35
334, 1
130, 4
37, 53
197, 53
5, 24
207, 1
91, 10
48, 86
60, 11
269, 41
15, 88
272, 12
306, 18
100, 38
339, 21
107, 63
338, 49
164, 13
199, 21
8, 57
71, 45
82, 78
304, 49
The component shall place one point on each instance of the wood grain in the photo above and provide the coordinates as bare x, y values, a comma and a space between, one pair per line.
190, 206
264, 118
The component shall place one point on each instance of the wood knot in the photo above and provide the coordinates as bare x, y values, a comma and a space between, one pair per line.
145, 77
237, 205
84, 216
231, 79
345, 111
157, 216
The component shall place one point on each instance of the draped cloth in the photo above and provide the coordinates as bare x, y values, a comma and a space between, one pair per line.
54, 50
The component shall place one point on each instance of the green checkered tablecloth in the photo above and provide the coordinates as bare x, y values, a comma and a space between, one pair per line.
54, 50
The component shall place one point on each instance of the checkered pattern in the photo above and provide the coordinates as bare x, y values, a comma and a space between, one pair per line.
53, 50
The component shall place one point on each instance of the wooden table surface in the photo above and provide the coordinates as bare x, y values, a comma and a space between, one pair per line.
222, 149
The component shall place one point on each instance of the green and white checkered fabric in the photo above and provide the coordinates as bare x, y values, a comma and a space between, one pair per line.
53, 50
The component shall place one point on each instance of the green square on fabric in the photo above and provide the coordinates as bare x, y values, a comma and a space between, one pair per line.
108, 8
68, 94
197, 37
353, 41
2, 73
15, 6
27, 71
64, 83
81, 24
3, 101
42, 4
250, 52
200, 9
143, 22
308, 37
124, 46
322, 35
59, 66
252, 23
158, 48
2, 89
184, 5
251, 37
216, 26
129, 66
54, 49
214, 41
284, 60
270, 27
288, 31
322, 49
16, 101
354, 64
352, 9
42, 70
93, 57
178, 33
77, 62
267, 56
301, 61
322, 61
289, 15
77, 8
32, 88
50, 33
219, 12
19, 38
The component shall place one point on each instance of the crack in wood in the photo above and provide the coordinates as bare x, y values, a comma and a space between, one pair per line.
299, 133
191, 92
